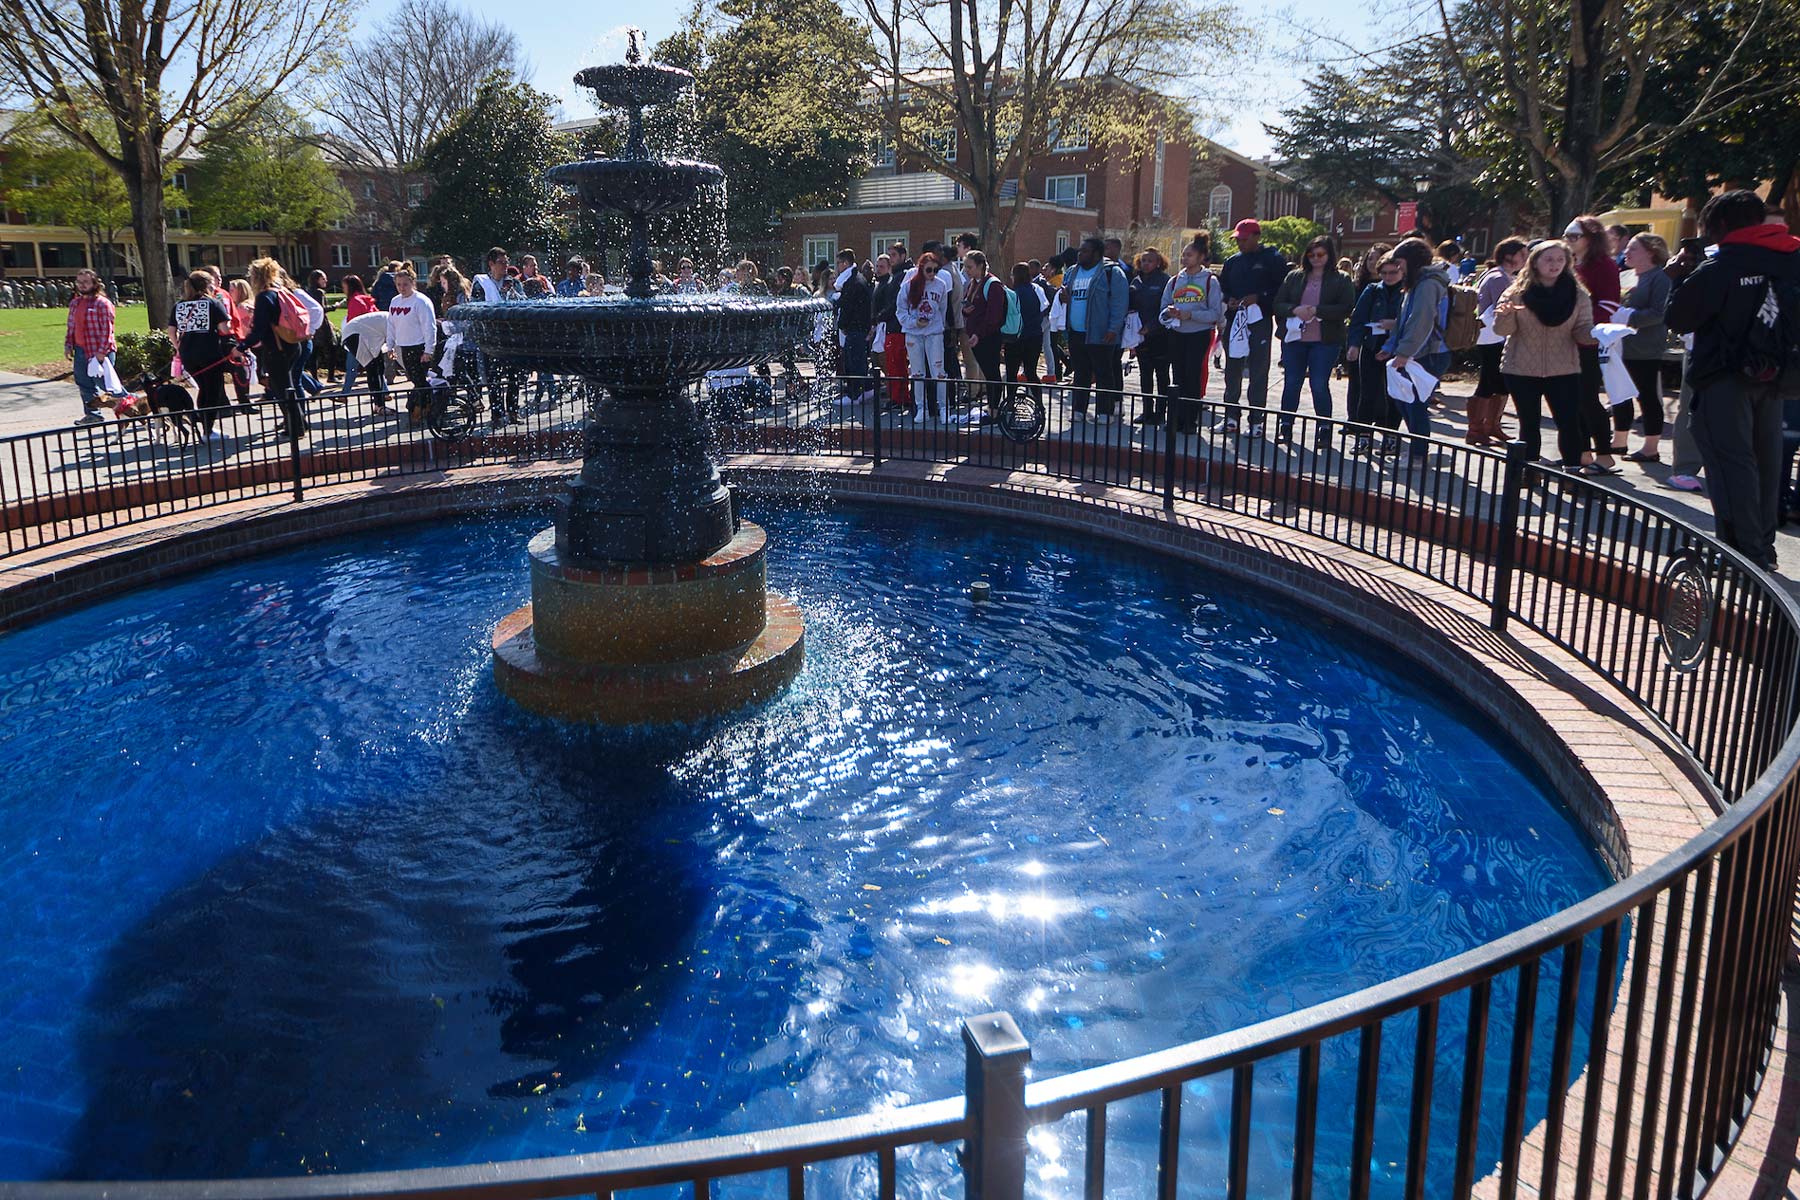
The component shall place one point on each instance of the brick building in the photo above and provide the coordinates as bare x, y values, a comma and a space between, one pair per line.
1072, 191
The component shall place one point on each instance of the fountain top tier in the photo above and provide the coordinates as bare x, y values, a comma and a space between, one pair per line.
643, 339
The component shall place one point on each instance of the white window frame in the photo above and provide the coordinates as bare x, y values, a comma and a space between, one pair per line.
179, 180
179, 217
304, 252
415, 195
1156, 183
879, 242
883, 152
368, 189
1062, 240
339, 224
812, 244
1362, 222
375, 259
340, 254
1080, 196
943, 143
1072, 139
1220, 217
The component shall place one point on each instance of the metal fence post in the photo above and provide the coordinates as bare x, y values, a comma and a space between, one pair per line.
1512, 487
875, 424
1170, 438
294, 462
993, 1158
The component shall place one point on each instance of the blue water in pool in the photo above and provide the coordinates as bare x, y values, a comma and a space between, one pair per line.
288, 887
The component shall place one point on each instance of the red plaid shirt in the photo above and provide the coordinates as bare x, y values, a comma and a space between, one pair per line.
91, 325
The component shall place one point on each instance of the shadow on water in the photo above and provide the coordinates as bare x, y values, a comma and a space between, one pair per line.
327, 997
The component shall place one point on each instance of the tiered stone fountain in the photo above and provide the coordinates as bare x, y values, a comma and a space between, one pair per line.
649, 597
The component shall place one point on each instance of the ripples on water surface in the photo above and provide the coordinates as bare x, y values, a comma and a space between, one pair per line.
287, 886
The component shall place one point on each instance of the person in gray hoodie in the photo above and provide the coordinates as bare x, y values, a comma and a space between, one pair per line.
1195, 302
1419, 334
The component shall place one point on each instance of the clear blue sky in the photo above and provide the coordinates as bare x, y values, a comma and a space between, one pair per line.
560, 39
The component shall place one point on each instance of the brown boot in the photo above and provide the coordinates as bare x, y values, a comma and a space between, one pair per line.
1496, 426
1477, 434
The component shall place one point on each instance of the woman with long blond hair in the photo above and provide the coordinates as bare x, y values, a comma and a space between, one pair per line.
240, 304
275, 355
1546, 317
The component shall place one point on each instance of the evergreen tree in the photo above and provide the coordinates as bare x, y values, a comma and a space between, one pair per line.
486, 176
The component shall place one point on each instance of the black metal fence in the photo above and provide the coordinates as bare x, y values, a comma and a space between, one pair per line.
1613, 1050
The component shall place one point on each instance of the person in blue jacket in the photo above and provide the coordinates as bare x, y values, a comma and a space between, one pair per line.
1097, 294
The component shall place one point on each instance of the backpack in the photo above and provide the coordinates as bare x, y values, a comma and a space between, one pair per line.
1463, 326
1771, 345
295, 323
1015, 320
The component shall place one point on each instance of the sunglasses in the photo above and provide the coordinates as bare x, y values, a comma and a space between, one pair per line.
931, 270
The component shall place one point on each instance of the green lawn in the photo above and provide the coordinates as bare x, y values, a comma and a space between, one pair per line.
31, 339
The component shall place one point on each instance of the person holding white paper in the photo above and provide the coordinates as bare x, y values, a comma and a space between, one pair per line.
1488, 404
1419, 336
1546, 317
1377, 312
1644, 309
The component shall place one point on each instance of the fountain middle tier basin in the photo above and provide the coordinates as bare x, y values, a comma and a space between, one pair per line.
648, 643
623, 341
636, 185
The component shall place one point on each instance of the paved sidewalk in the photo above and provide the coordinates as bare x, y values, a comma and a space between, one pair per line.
29, 405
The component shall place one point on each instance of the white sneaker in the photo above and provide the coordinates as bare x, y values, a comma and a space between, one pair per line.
918, 412
1102, 419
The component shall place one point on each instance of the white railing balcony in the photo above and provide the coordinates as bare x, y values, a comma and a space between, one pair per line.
888, 191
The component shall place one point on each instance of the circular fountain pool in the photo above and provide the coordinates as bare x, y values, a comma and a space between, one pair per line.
288, 887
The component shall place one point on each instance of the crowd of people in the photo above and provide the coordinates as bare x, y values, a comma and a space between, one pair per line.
1549, 320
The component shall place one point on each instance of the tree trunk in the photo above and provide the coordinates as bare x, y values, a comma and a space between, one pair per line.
144, 185
987, 222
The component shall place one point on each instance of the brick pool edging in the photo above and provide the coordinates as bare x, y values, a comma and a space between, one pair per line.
1632, 789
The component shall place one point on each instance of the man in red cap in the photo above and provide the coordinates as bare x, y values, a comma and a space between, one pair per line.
1249, 279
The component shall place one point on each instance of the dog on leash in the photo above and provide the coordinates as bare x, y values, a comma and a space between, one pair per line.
163, 400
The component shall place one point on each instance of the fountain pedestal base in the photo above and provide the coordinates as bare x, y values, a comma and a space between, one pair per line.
648, 643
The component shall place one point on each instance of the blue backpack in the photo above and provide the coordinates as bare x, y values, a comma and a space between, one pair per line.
1015, 320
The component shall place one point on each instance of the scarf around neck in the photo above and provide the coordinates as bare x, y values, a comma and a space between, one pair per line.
1554, 304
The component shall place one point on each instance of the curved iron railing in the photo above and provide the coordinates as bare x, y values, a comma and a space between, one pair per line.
1664, 990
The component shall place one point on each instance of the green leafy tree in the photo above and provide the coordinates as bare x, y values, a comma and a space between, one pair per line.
487, 176
1740, 144
1570, 82
53, 181
140, 83
268, 177
1405, 130
1290, 235
778, 104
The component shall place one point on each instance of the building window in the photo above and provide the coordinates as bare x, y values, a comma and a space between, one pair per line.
340, 223
340, 255
375, 256
368, 189
63, 256
1067, 136
1476, 240
1218, 206
1156, 184
179, 217
1070, 191
180, 181
1062, 240
16, 256
415, 194
305, 255
879, 243
818, 248
943, 144
1363, 222
883, 152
